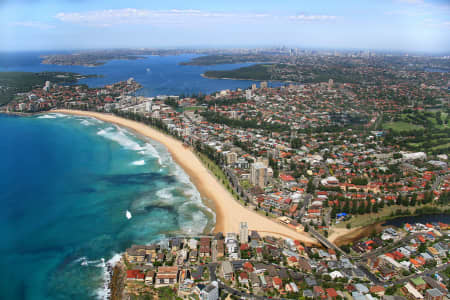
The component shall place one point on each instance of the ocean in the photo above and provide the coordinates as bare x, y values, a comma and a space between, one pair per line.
67, 183
159, 75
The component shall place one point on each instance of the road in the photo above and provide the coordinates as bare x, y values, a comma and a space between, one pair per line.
387, 248
243, 294
306, 201
369, 274
325, 241
427, 272
212, 271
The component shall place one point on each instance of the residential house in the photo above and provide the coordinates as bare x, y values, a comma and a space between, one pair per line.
411, 293
227, 270
331, 293
135, 275
277, 282
254, 279
418, 283
243, 278
166, 276
149, 277
318, 292
210, 292
377, 290
434, 294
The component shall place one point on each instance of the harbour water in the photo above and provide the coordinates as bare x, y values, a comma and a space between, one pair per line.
432, 218
159, 75
67, 183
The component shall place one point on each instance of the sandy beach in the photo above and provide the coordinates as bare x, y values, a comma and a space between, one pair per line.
229, 212
343, 236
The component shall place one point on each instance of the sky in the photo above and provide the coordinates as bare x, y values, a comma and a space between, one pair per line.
400, 25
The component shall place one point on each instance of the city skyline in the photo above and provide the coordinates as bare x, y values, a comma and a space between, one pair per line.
398, 25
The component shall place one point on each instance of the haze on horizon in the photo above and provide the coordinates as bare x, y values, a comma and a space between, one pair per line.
401, 25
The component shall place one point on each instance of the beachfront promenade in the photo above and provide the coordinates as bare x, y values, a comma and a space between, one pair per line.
229, 212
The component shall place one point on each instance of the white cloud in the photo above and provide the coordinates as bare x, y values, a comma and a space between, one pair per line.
33, 24
422, 4
143, 16
411, 1
313, 18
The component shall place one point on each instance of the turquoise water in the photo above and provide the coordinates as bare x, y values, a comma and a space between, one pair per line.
66, 185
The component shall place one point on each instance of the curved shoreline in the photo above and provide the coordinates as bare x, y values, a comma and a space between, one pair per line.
229, 213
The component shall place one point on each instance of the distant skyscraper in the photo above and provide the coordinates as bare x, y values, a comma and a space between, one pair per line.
330, 84
264, 85
243, 233
253, 87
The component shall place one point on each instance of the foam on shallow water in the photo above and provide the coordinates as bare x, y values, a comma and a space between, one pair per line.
128, 141
86, 123
48, 116
52, 116
138, 162
119, 136
181, 197
104, 292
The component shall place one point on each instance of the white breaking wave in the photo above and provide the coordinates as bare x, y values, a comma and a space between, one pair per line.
114, 260
85, 262
165, 195
52, 116
138, 162
104, 293
199, 220
47, 117
149, 150
119, 136
59, 115
192, 220
86, 123
196, 223
80, 260
125, 139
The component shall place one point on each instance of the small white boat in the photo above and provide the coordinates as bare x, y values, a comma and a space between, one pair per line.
84, 263
128, 214
148, 69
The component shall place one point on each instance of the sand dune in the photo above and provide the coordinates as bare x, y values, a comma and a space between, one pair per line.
229, 212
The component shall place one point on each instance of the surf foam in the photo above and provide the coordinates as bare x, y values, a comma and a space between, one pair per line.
119, 136
138, 162
86, 123
104, 292
46, 117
